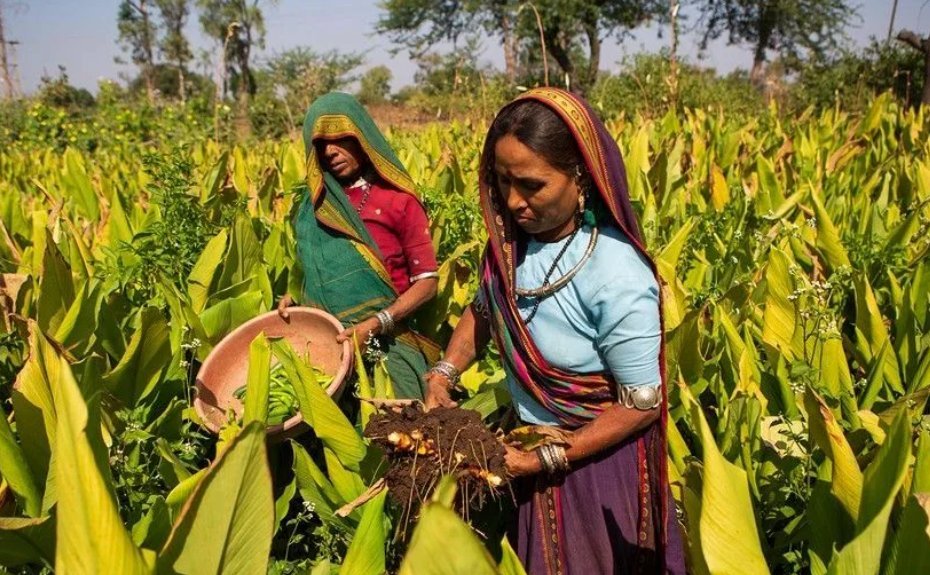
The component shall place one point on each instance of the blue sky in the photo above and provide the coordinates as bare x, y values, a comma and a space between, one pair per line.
81, 35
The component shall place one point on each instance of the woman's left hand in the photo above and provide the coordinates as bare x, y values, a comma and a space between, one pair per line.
364, 329
520, 463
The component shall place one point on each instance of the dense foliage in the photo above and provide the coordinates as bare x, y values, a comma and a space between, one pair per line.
794, 254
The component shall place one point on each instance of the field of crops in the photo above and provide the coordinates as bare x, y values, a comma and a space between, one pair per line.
798, 286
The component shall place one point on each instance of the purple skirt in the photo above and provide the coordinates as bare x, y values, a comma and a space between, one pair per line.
591, 521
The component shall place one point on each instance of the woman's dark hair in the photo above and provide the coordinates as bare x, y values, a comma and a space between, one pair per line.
538, 128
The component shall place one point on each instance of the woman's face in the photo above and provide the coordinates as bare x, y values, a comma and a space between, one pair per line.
542, 199
343, 158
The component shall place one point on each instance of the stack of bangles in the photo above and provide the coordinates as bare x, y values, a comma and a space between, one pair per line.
553, 458
447, 370
387, 321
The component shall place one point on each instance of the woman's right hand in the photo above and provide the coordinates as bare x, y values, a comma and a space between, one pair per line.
285, 303
437, 391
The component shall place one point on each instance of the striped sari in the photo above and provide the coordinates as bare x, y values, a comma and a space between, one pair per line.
613, 512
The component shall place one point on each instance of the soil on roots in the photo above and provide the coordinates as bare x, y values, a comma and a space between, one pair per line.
421, 447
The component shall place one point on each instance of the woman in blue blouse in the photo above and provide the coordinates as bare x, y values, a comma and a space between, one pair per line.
572, 301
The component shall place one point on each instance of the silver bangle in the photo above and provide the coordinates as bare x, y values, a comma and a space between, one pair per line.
553, 458
559, 457
641, 397
424, 276
481, 307
387, 321
446, 369
544, 460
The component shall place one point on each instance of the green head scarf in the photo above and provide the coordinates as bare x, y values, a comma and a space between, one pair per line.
343, 270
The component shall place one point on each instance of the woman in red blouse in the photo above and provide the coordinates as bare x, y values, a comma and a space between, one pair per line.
363, 238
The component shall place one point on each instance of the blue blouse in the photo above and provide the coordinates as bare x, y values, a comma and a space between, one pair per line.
606, 318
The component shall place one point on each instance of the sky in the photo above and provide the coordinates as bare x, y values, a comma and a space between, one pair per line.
81, 35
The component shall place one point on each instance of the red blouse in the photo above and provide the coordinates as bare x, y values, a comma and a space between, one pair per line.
397, 223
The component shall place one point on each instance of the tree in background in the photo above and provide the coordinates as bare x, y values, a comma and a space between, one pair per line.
137, 34
173, 44
298, 76
238, 26
421, 24
786, 27
375, 85
922, 45
573, 29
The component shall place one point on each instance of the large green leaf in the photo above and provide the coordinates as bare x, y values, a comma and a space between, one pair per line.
227, 524
846, 483
225, 316
77, 185
25, 540
510, 562
870, 322
319, 410
828, 238
201, 278
883, 479
316, 488
431, 551
244, 253
148, 354
259, 381
15, 470
780, 319
729, 537
34, 405
90, 535
77, 329
56, 288
365, 555
910, 550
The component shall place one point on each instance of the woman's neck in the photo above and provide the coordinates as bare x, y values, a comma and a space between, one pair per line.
557, 233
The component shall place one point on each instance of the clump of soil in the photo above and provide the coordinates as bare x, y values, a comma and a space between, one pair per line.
422, 446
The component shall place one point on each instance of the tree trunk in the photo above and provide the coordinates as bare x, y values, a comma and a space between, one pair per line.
925, 96
4, 62
245, 90
922, 46
510, 48
559, 47
147, 46
674, 6
594, 59
182, 89
757, 74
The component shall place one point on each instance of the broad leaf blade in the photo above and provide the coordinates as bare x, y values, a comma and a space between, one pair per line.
228, 523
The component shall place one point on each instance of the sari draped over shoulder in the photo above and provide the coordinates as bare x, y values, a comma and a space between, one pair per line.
613, 512
343, 270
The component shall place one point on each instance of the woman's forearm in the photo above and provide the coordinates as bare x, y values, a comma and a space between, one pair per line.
470, 337
612, 426
411, 300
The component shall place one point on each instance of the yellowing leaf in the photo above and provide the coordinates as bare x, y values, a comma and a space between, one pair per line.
719, 190
91, 537
846, 484
729, 538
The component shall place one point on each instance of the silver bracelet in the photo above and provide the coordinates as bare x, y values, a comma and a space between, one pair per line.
387, 321
641, 397
446, 369
423, 276
559, 457
553, 458
544, 460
